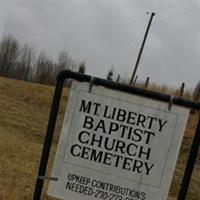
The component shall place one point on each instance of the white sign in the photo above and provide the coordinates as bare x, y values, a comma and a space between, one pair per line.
116, 146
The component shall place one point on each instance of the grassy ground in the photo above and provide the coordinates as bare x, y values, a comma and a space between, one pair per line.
24, 111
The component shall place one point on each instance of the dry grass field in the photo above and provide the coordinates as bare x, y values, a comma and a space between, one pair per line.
24, 111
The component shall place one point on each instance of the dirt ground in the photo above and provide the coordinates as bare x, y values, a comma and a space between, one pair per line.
23, 119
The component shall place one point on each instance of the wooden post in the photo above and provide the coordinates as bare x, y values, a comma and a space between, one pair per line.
147, 83
182, 89
135, 80
118, 78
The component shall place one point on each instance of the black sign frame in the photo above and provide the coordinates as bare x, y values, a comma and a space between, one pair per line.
67, 74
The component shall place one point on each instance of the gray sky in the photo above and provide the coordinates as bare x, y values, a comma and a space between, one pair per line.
106, 33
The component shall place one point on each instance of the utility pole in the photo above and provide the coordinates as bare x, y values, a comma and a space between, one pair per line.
141, 48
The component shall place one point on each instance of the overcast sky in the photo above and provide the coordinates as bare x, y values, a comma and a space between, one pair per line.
110, 33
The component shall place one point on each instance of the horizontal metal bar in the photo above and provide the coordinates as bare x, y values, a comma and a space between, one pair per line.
48, 178
126, 88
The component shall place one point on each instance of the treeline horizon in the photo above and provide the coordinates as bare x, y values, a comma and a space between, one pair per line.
20, 61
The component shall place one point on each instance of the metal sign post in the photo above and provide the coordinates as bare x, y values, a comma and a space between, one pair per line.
190, 163
115, 86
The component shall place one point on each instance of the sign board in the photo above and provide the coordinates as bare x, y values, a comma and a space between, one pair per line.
116, 146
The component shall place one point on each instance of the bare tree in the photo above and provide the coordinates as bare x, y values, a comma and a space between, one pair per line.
9, 51
44, 69
73, 65
24, 62
63, 60
20, 63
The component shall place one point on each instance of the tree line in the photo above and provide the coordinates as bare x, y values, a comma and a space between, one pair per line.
19, 61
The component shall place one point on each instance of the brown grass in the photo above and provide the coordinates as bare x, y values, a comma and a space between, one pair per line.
23, 119
187, 94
